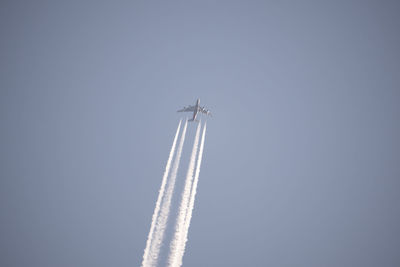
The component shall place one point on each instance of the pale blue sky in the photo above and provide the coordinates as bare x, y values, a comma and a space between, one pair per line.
302, 157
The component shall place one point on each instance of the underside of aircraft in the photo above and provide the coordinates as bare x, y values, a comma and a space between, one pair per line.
195, 109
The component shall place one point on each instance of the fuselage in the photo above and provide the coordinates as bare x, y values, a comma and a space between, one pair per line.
196, 110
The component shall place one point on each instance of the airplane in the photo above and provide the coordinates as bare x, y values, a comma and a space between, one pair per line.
195, 109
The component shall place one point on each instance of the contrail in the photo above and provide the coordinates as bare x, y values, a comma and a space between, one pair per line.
180, 222
160, 196
165, 208
192, 198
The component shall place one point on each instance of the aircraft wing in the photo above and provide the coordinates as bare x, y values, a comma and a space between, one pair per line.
205, 111
187, 109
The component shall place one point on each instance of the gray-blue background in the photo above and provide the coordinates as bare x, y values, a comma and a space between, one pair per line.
302, 157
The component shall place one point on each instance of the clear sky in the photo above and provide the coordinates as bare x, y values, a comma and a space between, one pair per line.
301, 163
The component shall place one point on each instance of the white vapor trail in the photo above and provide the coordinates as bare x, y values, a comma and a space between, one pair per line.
192, 198
166, 205
175, 246
160, 196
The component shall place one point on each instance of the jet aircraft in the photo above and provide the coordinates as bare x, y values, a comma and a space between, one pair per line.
195, 109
